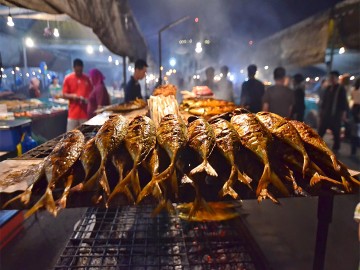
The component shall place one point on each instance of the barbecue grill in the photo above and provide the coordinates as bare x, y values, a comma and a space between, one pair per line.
130, 238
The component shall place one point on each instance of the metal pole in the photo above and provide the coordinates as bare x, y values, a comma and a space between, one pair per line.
25, 59
160, 49
124, 70
160, 57
332, 25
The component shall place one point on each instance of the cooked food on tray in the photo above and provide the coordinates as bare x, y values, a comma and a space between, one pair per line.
165, 90
124, 107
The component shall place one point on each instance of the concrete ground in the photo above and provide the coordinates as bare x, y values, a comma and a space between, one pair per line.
285, 234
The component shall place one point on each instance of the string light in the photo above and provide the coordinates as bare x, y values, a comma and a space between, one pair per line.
10, 21
56, 32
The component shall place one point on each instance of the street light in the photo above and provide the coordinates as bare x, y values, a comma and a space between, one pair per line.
159, 40
172, 61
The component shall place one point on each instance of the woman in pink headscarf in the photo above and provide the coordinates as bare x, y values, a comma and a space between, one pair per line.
99, 96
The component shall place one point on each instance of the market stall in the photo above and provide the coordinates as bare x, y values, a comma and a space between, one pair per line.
197, 198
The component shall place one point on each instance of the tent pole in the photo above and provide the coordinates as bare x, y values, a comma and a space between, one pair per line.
124, 70
332, 25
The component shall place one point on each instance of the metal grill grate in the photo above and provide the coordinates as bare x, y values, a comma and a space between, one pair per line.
129, 238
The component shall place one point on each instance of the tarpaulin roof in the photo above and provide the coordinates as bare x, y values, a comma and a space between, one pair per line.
111, 20
306, 43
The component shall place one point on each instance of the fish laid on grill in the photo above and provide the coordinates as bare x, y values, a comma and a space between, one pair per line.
257, 138
283, 130
228, 143
172, 136
202, 140
107, 140
139, 141
56, 167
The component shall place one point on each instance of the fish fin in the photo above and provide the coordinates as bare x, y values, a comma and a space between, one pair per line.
227, 187
62, 200
264, 193
167, 173
353, 179
46, 200
89, 185
157, 192
346, 184
104, 182
335, 163
148, 189
135, 182
316, 178
264, 180
204, 166
275, 181
121, 187
243, 178
186, 180
306, 164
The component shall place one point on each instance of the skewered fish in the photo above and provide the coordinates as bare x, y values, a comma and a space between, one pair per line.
172, 136
139, 141
55, 167
228, 143
283, 130
257, 139
107, 140
202, 140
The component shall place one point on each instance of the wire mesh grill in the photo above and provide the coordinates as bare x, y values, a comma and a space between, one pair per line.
130, 238
45, 149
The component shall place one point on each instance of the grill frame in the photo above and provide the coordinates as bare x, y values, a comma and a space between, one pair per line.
130, 238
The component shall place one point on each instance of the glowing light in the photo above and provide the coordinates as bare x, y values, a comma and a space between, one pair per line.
12, 72
161, 68
49, 77
241, 71
316, 79
198, 48
27, 75
116, 62
307, 79
110, 58
2, 69
172, 61
56, 32
165, 78
266, 67
207, 41
33, 73
198, 77
251, 42
89, 49
217, 78
352, 78
39, 71
194, 77
101, 48
174, 71
231, 77
341, 50
10, 21
17, 68
29, 42
196, 19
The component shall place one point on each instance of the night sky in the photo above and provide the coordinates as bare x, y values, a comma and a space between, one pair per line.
230, 21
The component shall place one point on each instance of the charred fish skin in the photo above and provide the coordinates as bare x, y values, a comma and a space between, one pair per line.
310, 136
56, 166
228, 143
254, 136
89, 156
202, 140
139, 141
108, 139
283, 130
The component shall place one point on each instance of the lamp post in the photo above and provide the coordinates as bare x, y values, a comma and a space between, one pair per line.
160, 46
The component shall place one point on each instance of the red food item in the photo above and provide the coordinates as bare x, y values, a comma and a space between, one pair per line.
202, 90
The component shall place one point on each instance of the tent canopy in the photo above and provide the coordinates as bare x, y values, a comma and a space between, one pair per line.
111, 20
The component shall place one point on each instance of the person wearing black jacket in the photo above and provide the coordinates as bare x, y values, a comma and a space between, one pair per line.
333, 109
299, 98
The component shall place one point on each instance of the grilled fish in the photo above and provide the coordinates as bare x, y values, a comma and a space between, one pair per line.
283, 130
228, 143
139, 141
254, 136
310, 137
89, 157
56, 166
107, 140
172, 136
202, 140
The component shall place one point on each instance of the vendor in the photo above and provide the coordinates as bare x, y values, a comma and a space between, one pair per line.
133, 88
34, 88
76, 89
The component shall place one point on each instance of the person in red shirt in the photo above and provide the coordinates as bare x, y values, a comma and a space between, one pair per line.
76, 89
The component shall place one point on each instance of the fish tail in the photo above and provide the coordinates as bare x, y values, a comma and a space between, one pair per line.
204, 166
316, 178
148, 189
244, 179
104, 181
198, 204
227, 187
46, 200
89, 185
264, 179
121, 187
174, 184
23, 197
